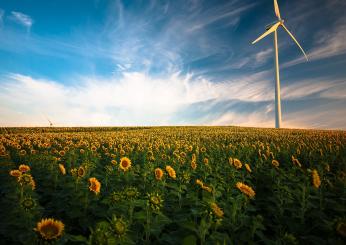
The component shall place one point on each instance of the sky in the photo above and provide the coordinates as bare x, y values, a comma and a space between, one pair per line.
170, 62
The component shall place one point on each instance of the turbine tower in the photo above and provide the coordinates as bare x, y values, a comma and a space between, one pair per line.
50, 122
270, 29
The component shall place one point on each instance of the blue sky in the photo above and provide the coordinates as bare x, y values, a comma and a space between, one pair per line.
151, 62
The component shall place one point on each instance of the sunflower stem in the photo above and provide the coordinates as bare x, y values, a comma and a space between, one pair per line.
86, 202
147, 228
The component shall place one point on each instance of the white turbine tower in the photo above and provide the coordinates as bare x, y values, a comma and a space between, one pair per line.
270, 29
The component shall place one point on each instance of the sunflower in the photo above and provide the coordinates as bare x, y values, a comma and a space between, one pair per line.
247, 190
193, 164
62, 169
154, 201
207, 188
81, 172
341, 228
49, 228
248, 168
114, 162
95, 185
158, 173
216, 210
186, 177
62, 153
171, 172
230, 161
27, 180
131, 193
119, 226
199, 182
74, 172
28, 203
23, 168
125, 164
275, 163
116, 196
206, 161
15, 173
316, 181
237, 163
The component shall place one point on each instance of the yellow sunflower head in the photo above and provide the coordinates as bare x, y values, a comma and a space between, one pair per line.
95, 185
316, 181
199, 182
62, 153
62, 169
230, 161
275, 163
158, 173
171, 172
193, 164
50, 229
248, 168
125, 164
247, 190
216, 210
237, 163
15, 173
81, 172
23, 168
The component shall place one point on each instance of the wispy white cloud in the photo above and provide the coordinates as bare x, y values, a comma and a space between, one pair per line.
22, 19
313, 116
134, 99
328, 43
221, 13
139, 99
249, 119
324, 87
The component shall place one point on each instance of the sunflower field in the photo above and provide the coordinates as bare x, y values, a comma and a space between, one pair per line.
172, 185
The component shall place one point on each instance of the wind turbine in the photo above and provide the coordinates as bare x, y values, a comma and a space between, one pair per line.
50, 122
270, 29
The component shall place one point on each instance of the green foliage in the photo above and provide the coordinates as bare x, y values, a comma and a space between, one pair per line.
134, 207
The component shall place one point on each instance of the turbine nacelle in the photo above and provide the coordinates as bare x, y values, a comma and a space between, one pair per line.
273, 23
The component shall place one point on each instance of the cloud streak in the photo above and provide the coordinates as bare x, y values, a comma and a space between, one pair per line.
139, 99
22, 19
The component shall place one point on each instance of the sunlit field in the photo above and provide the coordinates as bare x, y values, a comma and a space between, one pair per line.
172, 185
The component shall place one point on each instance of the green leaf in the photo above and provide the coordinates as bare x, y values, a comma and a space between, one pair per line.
189, 240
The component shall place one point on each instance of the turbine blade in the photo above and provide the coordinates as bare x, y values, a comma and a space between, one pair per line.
295, 40
276, 9
272, 29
